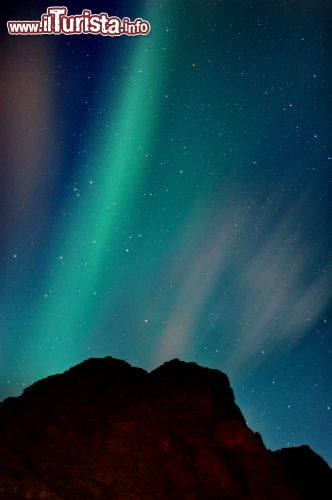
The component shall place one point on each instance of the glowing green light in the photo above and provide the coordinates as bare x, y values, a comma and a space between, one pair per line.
76, 283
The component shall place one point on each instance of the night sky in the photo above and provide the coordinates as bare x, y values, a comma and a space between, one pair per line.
169, 195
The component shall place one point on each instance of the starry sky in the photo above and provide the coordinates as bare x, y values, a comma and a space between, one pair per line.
169, 195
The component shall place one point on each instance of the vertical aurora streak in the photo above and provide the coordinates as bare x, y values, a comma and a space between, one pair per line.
70, 311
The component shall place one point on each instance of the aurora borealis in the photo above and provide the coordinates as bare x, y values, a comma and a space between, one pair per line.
169, 195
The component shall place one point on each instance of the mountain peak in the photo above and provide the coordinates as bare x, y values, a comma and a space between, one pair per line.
105, 429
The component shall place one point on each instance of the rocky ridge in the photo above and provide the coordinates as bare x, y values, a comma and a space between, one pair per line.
107, 430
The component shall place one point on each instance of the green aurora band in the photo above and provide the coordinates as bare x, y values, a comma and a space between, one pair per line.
70, 309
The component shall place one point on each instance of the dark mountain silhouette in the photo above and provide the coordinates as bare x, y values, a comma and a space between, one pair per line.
307, 471
106, 430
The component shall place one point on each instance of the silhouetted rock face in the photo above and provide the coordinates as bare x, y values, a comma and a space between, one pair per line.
307, 471
106, 430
